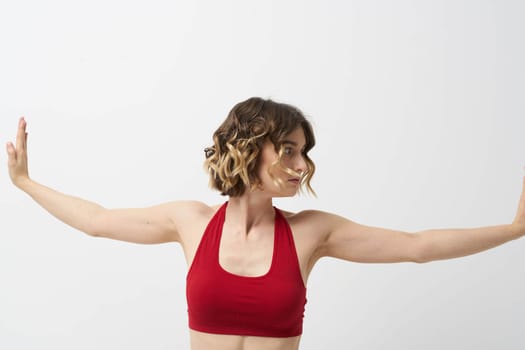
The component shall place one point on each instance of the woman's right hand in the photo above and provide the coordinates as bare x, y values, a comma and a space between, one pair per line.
17, 156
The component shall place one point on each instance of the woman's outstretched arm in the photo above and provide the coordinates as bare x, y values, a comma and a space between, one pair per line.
351, 241
147, 225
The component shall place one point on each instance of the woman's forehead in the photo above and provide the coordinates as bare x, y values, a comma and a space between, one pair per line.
295, 138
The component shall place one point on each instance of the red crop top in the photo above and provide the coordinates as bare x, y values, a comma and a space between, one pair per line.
271, 305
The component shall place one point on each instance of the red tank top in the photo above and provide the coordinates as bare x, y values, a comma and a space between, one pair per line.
271, 305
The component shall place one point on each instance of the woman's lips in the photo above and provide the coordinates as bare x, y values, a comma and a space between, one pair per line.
294, 181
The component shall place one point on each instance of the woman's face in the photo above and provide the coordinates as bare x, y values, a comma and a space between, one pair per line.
293, 159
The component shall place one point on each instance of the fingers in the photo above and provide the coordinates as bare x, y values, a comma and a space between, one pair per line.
522, 197
10, 150
523, 179
21, 141
21, 135
523, 189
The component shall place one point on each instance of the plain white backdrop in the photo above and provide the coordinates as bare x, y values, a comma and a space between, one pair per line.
418, 112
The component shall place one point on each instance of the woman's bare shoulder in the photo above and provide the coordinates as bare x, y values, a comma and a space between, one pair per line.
190, 214
307, 215
192, 208
310, 219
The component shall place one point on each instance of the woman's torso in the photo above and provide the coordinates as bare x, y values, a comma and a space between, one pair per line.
248, 257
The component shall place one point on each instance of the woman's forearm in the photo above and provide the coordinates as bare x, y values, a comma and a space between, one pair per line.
442, 244
73, 211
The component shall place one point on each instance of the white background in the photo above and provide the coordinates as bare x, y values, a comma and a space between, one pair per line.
418, 111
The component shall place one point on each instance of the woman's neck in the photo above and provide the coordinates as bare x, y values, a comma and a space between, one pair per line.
250, 211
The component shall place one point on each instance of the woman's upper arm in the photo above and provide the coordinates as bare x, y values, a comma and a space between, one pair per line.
156, 224
348, 240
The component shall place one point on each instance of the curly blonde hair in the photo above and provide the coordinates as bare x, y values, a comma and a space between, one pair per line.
233, 159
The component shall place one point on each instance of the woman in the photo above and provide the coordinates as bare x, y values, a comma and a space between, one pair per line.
248, 261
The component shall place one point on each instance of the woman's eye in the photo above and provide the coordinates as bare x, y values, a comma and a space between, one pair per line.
288, 151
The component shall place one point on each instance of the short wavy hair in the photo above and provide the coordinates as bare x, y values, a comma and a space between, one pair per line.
232, 161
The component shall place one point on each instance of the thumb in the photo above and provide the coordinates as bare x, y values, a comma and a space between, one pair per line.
11, 151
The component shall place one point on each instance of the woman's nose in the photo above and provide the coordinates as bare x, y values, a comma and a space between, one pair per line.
300, 165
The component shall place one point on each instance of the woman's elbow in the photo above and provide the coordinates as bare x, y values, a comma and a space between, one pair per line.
419, 252
96, 226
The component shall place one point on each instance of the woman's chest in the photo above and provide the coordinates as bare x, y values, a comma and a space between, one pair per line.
256, 255
246, 255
